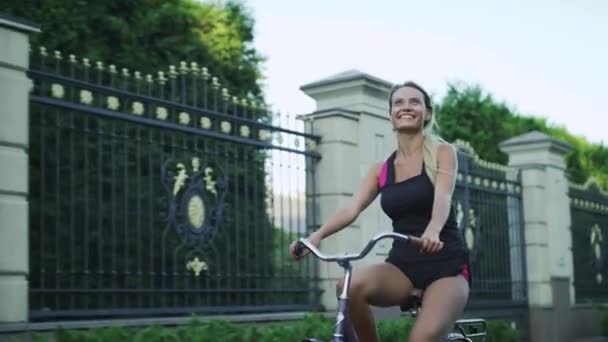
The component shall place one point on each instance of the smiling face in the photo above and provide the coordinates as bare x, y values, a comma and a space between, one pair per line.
409, 111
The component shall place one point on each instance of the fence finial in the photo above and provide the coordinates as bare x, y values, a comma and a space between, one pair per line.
183, 67
161, 77
215, 83
194, 68
172, 72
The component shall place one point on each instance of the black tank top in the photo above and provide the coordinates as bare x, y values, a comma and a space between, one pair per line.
409, 204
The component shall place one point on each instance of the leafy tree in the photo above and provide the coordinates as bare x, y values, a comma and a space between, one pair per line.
150, 35
469, 113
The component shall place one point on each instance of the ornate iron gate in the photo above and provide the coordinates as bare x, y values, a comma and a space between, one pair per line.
589, 213
490, 215
162, 195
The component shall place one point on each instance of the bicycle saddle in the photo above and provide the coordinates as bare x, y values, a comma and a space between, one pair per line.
413, 301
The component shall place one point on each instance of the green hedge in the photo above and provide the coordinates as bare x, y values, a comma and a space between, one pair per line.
312, 326
604, 320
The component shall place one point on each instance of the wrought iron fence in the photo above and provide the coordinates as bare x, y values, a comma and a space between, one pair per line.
162, 194
489, 214
589, 215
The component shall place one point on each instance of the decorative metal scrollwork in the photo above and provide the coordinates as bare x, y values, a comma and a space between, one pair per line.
194, 201
86, 97
57, 90
469, 230
196, 266
596, 241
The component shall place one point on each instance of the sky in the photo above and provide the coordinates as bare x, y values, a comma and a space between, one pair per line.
543, 58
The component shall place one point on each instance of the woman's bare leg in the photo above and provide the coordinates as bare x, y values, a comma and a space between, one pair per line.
443, 301
379, 285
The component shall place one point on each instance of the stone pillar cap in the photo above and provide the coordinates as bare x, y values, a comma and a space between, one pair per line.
345, 77
18, 24
534, 140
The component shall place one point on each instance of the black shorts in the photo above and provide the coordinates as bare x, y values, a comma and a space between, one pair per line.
424, 273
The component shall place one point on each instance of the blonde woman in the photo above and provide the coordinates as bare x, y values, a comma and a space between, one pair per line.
416, 183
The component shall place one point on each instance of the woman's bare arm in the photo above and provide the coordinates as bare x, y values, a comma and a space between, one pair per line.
345, 216
445, 181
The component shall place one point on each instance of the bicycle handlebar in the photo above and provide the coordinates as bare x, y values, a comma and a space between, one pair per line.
304, 243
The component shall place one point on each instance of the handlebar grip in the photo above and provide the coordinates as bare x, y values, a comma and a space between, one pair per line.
415, 240
298, 249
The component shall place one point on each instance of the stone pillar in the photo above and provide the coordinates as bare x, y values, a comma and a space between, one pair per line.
548, 238
352, 119
14, 129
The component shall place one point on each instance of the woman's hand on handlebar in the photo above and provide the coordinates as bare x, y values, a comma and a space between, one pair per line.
313, 238
429, 242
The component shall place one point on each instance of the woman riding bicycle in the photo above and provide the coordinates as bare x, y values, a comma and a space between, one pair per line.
416, 184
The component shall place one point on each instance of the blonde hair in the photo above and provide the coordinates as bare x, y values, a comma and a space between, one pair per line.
432, 139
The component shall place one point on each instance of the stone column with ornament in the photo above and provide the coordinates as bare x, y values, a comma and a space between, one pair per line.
548, 239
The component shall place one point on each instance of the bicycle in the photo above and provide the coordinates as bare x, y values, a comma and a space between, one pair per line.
342, 330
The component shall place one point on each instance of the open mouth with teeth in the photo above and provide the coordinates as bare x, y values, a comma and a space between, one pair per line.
406, 116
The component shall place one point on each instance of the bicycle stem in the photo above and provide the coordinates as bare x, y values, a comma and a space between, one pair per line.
347, 276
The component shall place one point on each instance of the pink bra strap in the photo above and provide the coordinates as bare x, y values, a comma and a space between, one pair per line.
382, 177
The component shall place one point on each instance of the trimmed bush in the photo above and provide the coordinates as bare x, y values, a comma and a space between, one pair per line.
313, 325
